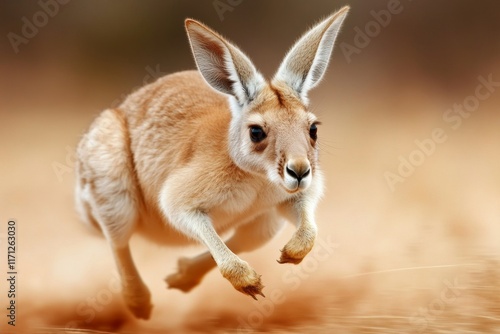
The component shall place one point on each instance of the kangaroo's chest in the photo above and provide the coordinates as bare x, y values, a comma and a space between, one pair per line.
241, 205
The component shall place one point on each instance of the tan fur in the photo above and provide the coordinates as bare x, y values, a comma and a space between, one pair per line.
176, 164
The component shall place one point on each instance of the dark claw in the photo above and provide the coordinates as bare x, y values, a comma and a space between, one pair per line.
254, 290
287, 259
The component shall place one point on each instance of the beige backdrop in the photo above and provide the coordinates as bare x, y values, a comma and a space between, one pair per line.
409, 227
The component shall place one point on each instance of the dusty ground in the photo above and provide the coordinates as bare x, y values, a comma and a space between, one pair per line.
423, 258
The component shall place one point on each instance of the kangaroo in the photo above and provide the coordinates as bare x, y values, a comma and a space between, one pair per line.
200, 153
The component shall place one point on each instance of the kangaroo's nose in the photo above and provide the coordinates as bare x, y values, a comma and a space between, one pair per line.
298, 170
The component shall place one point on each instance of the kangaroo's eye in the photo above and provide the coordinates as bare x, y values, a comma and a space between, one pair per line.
257, 134
313, 132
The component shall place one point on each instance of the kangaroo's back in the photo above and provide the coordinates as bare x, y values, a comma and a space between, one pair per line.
169, 120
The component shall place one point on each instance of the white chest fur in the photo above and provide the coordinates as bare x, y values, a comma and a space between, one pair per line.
244, 203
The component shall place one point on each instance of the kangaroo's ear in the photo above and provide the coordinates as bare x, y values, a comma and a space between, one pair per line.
306, 62
222, 64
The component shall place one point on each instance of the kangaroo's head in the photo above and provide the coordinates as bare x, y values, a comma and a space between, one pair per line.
272, 132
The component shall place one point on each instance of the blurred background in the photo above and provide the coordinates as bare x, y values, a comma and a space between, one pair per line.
410, 224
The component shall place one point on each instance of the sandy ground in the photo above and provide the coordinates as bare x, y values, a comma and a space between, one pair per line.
423, 258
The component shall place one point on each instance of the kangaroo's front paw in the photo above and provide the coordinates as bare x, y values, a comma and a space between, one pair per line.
138, 301
296, 249
183, 279
243, 278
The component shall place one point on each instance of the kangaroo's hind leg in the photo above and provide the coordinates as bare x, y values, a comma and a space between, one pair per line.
246, 238
135, 292
108, 195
